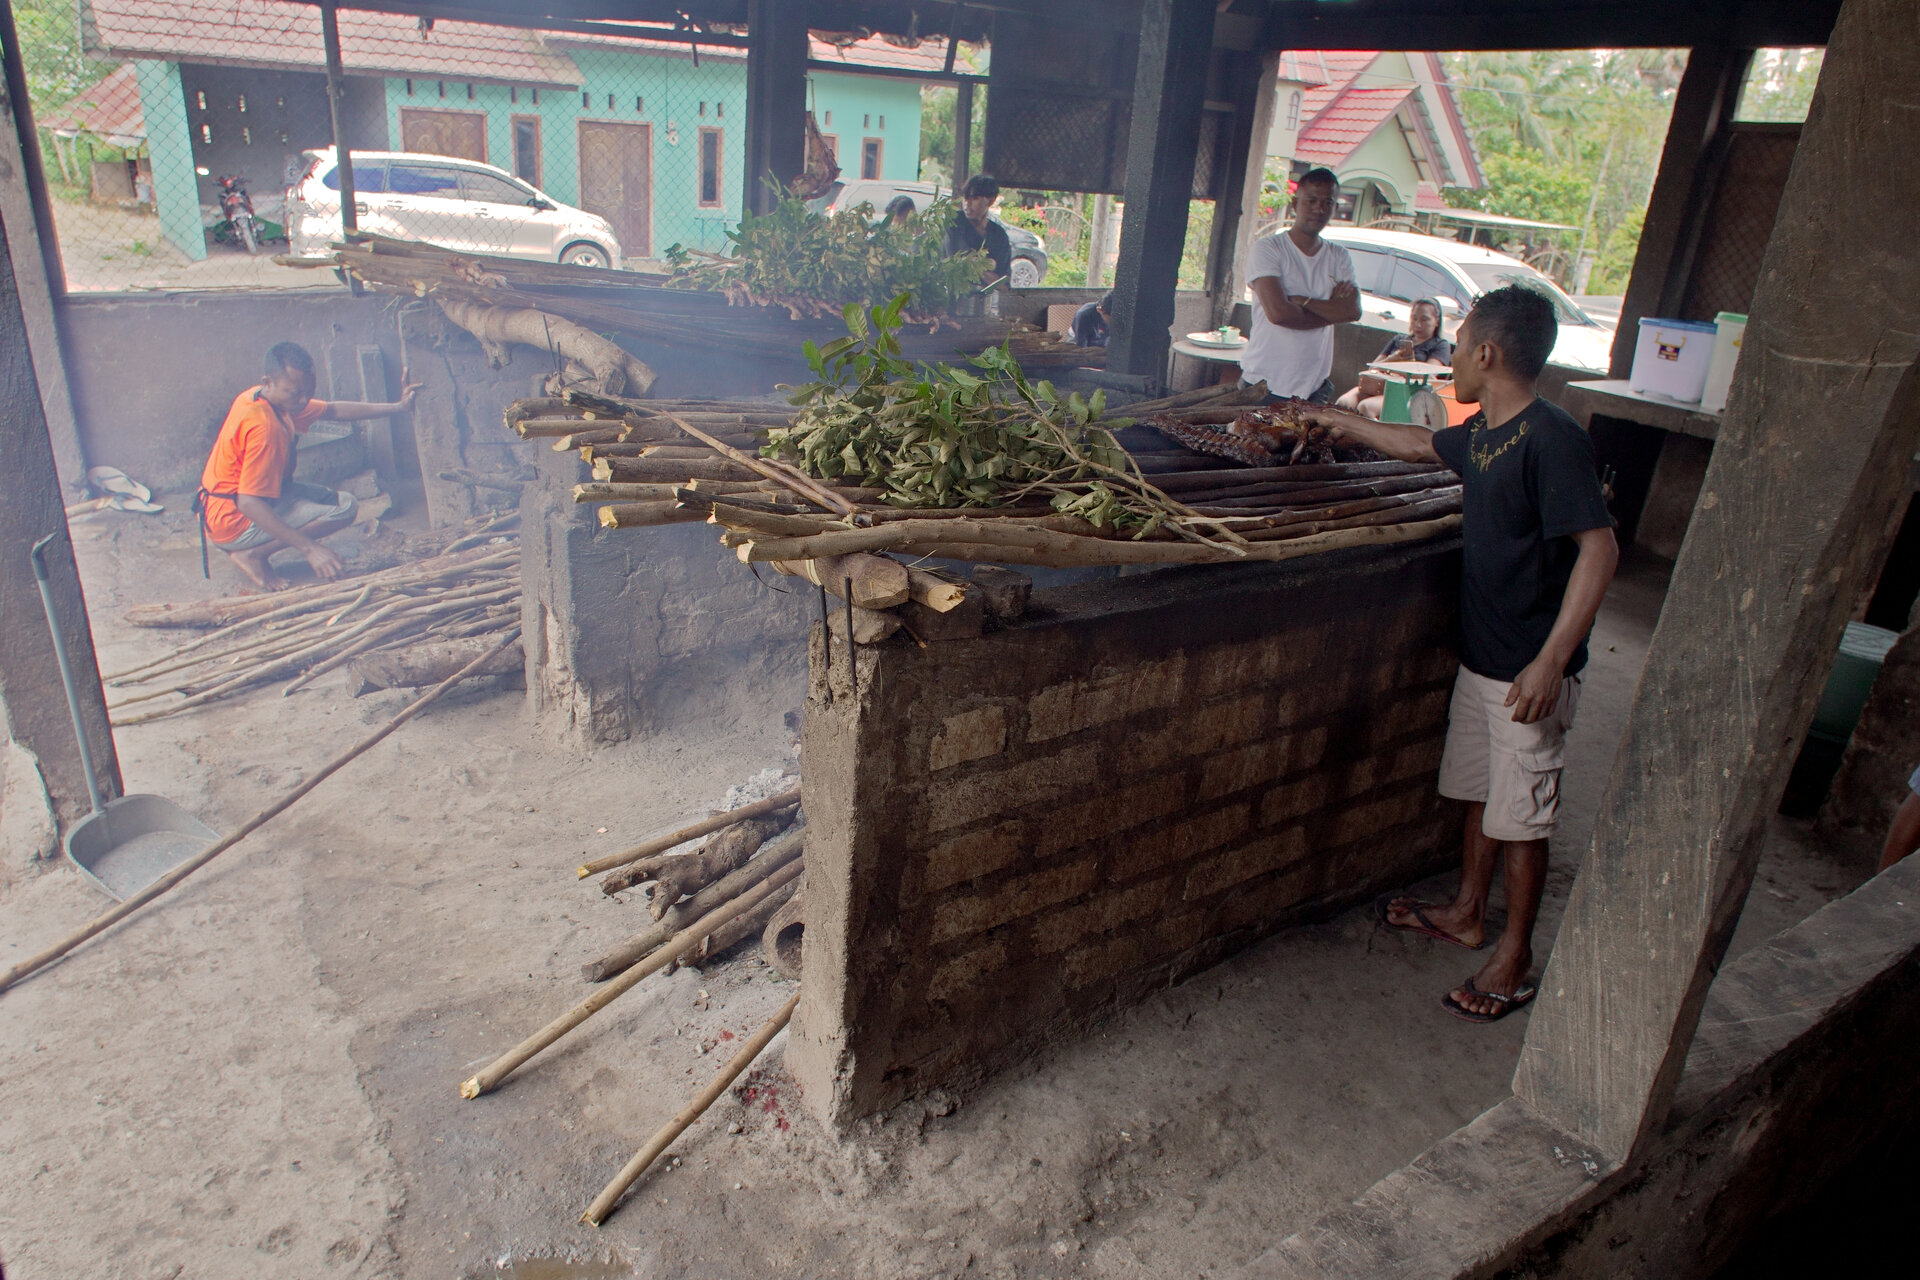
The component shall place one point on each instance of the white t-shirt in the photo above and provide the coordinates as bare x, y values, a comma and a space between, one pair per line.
1294, 362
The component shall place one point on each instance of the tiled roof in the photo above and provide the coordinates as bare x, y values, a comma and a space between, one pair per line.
1337, 132
269, 33
875, 52
109, 109
1302, 67
1340, 66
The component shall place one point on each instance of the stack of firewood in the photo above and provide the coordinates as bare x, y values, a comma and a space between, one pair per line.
409, 625
743, 848
667, 462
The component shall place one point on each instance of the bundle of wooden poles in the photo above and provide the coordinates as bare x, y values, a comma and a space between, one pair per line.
744, 881
409, 625
667, 462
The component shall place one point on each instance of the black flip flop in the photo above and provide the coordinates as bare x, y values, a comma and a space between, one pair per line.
1522, 997
1382, 907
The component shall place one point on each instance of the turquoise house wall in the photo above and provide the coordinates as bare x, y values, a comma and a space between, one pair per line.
176, 191
667, 92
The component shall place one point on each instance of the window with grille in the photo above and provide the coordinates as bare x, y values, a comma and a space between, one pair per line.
870, 158
709, 168
1293, 110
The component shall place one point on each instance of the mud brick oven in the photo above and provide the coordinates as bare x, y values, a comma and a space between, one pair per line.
1014, 835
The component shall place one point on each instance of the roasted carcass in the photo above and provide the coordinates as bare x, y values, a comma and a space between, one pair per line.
1266, 436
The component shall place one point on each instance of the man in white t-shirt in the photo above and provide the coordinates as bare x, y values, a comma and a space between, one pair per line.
1302, 287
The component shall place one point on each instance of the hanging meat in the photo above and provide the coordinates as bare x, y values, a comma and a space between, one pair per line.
1271, 435
820, 171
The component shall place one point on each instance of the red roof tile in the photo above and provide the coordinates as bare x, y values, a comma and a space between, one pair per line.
109, 109
1337, 132
270, 33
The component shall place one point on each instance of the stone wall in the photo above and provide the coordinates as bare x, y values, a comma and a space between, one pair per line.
1013, 835
630, 631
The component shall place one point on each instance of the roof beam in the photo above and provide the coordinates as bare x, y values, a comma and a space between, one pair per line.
1441, 25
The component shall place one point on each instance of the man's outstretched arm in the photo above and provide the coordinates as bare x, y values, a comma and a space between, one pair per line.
1400, 440
356, 410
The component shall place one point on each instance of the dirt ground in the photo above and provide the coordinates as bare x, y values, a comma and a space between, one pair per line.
258, 1075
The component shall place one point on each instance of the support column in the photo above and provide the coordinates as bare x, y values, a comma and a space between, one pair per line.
1169, 92
1250, 89
1813, 454
337, 109
31, 702
776, 98
962, 134
36, 267
1682, 191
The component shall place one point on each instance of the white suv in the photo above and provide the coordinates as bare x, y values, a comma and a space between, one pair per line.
461, 204
1396, 268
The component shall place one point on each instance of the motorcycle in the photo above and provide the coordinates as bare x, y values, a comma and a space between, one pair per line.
237, 207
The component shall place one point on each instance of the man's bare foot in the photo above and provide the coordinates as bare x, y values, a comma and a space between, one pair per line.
1504, 974
1464, 924
254, 564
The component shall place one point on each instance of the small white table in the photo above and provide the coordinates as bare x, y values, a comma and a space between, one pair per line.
1197, 351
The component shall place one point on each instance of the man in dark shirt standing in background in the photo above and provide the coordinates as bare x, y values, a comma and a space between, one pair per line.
973, 229
1539, 553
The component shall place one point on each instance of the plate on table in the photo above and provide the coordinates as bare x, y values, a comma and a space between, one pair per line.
1211, 338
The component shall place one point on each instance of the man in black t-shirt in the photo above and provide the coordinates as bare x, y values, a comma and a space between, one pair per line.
1090, 322
1539, 553
973, 226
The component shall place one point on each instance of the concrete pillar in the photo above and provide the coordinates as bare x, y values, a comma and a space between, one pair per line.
176, 190
1169, 91
31, 701
1250, 85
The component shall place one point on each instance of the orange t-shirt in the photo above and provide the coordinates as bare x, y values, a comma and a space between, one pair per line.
252, 455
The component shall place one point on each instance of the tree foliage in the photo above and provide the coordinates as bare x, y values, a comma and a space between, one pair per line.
1570, 136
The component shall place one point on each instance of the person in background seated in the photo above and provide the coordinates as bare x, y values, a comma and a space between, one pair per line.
973, 229
1903, 834
1302, 287
1421, 341
897, 213
1090, 323
249, 503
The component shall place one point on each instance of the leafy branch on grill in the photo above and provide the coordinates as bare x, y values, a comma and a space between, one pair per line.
943, 436
814, 264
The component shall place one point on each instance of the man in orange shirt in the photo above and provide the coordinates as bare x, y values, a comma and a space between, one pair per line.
250, 505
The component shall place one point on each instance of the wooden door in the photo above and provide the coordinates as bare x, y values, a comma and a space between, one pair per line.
461, 134
616, 180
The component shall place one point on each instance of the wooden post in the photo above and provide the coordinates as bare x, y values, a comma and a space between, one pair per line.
962, 134
1812, 455
1682, 191
1169, 90
1097, 236
1237, 211
776, 98
31, 704
337, 105
37, 270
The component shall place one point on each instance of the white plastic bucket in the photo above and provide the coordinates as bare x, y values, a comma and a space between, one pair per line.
1729, 329
1671, 358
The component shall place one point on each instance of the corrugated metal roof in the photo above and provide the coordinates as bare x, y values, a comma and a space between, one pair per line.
109, 109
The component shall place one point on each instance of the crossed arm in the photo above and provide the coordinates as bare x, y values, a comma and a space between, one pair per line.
1306, 313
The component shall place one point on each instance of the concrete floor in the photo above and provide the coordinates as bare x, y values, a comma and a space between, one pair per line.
257, 1076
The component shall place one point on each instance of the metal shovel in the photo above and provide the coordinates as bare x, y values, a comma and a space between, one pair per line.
123, 845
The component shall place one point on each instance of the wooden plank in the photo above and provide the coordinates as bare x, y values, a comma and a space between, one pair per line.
1811, 458
1682, 191
1169, 88
1238, 209
375, 389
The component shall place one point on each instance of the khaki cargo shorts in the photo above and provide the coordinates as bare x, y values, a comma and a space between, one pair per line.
1513, 768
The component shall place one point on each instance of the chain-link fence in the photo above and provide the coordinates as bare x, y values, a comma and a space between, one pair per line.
190, 145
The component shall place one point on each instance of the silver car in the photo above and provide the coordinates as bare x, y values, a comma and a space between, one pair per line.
461, 204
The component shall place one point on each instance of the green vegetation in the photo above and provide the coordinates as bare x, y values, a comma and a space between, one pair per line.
1571, 137
815, 264
942, 436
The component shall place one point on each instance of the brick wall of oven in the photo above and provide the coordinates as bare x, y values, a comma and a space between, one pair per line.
1014, 835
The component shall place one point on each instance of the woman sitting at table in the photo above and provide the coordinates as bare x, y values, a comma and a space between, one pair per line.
1422, 341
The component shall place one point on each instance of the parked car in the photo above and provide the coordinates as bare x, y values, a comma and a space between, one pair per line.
461, 204
1395, 268
1029, 250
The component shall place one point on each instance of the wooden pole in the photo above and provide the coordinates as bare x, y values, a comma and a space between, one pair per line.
603, 1203
706, 826
108, 919
686, 940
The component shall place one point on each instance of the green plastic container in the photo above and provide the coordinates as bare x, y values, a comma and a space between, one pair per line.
1862, 651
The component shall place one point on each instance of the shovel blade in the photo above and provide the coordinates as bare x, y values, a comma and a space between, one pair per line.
134, 841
